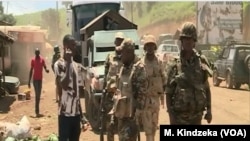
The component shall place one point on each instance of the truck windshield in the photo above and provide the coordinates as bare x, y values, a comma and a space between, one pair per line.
84, 13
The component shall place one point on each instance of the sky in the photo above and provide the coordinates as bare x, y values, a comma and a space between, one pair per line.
19, 7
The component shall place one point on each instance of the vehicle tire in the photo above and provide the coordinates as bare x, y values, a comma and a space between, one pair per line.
94, 113
247, 62
86, 102
216, 81
95, 117
237, 85
2, 92
229, 81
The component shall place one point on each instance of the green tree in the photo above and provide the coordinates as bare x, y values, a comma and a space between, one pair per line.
139, 7
66, 3
51, 22
8, 18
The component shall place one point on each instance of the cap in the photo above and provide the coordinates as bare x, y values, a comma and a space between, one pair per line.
119, 35
128, 44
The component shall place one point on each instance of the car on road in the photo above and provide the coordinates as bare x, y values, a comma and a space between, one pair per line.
233, 66
165, 52
11, 83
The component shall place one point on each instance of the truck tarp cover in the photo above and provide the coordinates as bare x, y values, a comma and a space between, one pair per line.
219, 21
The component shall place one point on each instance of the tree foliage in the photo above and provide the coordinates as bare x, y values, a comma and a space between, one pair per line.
51, 22
8, 18
66, 3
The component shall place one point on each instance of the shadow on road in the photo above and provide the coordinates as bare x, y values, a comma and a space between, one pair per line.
234, 89
5, 103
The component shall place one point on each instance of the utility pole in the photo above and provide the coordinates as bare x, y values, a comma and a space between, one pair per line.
7, 5
132, 9
57, 22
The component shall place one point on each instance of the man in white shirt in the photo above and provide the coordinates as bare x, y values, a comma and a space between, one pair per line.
67, 73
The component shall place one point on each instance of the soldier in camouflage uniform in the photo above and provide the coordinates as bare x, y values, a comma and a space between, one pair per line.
132, 84
187, 88
112, 66
55, 57
149, 112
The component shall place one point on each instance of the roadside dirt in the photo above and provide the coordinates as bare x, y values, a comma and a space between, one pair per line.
229, 107
162, 27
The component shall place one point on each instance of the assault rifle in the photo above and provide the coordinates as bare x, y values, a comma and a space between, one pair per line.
205, 63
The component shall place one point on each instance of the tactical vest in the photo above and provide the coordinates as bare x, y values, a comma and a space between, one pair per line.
124, 104
190, 94
113, 71
154, 72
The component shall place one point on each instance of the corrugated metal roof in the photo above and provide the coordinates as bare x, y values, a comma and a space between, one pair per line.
6, 37
94, 20
108, 13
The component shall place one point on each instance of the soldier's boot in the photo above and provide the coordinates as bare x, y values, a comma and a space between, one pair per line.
149, 138
110, 136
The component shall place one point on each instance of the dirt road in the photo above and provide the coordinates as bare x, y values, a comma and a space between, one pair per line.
229, 107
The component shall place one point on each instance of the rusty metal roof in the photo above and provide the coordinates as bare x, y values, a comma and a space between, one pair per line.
6, 37
4, 23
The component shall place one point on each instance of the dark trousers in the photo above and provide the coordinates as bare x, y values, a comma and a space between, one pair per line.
69, 128
38, 90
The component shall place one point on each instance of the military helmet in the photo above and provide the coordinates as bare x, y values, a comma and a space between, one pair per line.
119, 35
188, 30
149, 39
56, 49
128, 44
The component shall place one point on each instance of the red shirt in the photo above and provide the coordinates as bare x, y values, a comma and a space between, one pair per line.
37, 64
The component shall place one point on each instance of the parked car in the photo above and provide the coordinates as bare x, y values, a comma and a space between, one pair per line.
163, 37
165, 52
233, 66
11, 83
169, 49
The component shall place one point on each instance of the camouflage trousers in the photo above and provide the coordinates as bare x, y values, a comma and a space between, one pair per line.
185, 118
149, 116
111, 127
58, 92
127, 129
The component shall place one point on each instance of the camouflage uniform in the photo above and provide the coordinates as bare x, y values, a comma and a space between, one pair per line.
58, 67
132, 84
56, 57
187, 87
112, 67
149, 114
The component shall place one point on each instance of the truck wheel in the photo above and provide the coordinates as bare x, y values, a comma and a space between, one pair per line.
86, 102
237, 85
229, 83
247, 62
216, 81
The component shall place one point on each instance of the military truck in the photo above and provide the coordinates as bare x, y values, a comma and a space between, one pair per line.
94, 25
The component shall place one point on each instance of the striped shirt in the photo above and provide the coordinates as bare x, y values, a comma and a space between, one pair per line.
70, 100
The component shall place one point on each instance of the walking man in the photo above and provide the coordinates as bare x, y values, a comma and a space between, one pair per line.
37, 65
70, 110
149, 113
187, 89
112, 67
